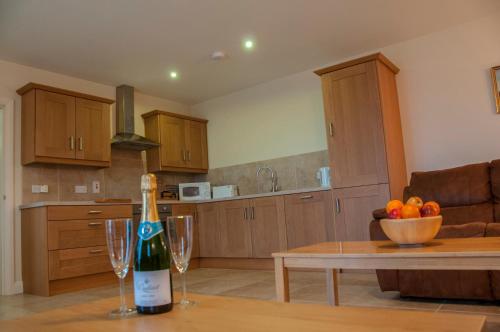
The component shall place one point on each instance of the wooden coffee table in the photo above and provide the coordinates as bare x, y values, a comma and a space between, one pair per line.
221, 314
443, 254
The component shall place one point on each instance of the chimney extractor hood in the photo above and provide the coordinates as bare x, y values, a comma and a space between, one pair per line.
125, 137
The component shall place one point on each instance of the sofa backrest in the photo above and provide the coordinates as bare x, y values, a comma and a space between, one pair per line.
464, 193
495, 187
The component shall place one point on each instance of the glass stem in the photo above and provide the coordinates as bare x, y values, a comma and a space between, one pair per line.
183, 277
123, 304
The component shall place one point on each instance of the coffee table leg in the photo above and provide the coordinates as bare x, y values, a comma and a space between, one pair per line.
332, 286
281, 275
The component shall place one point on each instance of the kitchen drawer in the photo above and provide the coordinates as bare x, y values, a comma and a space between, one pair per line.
69, 212
70, 263
310, 197
67, 234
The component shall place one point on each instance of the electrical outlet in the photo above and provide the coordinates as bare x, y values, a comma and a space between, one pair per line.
36, 189
96, 187
80, 189
44, 188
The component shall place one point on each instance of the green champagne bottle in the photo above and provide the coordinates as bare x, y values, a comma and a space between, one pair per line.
152, 278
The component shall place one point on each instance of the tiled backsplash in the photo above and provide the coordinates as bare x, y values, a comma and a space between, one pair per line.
294, 172
122, 179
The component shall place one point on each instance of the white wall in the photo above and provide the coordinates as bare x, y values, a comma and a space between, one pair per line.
447, 107
275, 119
13, 76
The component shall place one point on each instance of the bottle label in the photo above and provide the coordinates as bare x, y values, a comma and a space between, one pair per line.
148, 229
152, 288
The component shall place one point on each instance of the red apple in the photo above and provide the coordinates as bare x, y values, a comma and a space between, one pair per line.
429, 210
395, 214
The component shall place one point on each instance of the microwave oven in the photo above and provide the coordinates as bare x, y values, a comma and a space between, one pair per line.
194, 191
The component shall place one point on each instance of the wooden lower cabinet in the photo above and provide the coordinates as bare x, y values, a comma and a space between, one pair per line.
190, 209
234, 224
353, 210
267, 226
209, 230
309, 218
64, 247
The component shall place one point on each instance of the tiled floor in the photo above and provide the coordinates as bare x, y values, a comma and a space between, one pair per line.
356, 289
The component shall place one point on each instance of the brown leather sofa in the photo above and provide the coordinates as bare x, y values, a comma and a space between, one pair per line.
470, 204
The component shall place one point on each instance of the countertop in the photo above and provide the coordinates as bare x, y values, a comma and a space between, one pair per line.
283, 192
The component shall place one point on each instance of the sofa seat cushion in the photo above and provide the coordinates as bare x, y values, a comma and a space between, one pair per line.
474, 285
475, 229
466, 185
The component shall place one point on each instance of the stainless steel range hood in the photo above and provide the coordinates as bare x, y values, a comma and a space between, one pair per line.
125, 137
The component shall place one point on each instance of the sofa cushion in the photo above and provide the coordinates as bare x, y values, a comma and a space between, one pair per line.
493, 230
466, 185
458, 215
475, 229
495, 186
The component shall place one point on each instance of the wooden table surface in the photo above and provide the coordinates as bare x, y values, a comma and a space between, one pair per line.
483, 246
219, 314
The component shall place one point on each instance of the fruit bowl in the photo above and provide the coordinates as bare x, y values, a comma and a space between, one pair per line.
412, 231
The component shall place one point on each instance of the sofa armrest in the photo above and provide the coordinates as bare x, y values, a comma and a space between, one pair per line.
379, 214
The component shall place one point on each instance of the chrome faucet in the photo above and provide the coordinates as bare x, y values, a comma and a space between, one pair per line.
274, 177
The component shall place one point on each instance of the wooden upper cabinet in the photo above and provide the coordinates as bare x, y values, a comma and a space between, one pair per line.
64, 127
92, 129
365, 140
55, 125
173, 142
309, 218
182, 139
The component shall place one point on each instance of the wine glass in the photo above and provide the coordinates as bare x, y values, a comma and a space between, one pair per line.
120, 241
180, 239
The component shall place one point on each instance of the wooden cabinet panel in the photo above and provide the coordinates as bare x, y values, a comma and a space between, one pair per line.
196, 144
55, 125
309, 218
92, 130
354, 125
78, 262
353, 210
235, 228
173, 142
189, 209
209, 230
267, 226
69, 212
67, 234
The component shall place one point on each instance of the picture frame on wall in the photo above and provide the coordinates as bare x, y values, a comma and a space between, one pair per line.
495, 80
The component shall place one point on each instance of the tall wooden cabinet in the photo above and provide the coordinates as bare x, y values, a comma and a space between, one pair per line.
64, 127
365, 140
183, 142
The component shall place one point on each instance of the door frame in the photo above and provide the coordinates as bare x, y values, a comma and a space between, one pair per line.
7, 218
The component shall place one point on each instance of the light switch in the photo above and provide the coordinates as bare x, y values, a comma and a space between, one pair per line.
80, 189
96, 187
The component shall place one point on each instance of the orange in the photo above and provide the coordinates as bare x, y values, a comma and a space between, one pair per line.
410, 211
416, 201
394, 204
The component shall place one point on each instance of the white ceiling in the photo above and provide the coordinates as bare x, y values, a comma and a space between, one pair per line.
138, 42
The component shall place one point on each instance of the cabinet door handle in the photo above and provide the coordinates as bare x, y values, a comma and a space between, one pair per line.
337, 205
95, 251
72, 142
189, 155
306, 197
253, 213
94, 212
94, 224
80, 143
245, 214
331, 129
183, 155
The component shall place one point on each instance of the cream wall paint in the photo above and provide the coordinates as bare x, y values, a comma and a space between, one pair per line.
276, 119
447, 107
14, 76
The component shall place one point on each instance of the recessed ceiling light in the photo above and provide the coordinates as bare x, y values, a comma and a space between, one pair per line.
248, 44
173, 74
